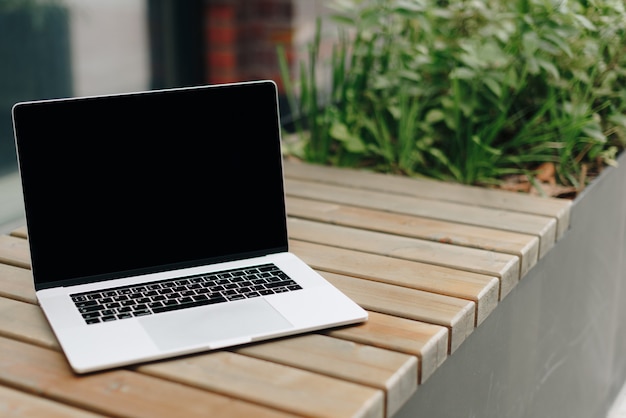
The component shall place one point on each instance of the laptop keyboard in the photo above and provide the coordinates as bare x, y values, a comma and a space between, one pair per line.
173, 294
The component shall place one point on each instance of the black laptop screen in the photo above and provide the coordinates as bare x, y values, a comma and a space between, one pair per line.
150, 181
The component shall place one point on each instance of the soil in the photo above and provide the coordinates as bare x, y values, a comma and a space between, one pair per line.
545, 183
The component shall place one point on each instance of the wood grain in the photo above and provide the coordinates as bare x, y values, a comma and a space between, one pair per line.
278, 386
458, 315
21, 232
16, 404
525, 247
115, 393
428, 342
395, 373
26, 322
541, 226
14, 251
16, 283
504, 266
482, 290
437, 190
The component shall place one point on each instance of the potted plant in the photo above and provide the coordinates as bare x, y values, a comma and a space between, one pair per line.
475, 92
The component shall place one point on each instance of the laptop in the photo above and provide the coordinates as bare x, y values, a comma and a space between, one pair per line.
157, 224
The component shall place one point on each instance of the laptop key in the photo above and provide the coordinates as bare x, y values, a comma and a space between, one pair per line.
279, 284
192, 304
89, 309
91, 315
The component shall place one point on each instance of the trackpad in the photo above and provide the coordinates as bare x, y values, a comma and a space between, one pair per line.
211, 324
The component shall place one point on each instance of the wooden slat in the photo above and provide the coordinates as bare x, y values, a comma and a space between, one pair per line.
458, 315
437, 190
21, 232
426, 341
482, 290
16, 404
504, 266
524, 246
115, 393
540, 226
281, 387
26, 322
14, 251
16, 283
392, 372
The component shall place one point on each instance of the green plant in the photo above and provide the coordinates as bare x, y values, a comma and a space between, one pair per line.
469, 90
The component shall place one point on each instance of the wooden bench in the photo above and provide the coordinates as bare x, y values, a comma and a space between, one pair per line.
428, 260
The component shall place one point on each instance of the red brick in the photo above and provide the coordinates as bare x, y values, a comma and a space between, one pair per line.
221, 35
220, 12
222, 59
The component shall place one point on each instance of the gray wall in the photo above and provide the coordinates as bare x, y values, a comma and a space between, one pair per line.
556, 346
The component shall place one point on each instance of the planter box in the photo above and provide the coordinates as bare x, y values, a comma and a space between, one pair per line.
556, 345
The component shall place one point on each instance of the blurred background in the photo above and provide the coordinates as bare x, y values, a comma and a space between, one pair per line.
65, 48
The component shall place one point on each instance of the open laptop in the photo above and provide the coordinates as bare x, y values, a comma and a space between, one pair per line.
157, 224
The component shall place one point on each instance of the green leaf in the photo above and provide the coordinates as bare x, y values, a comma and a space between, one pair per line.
550, 68
618, 119
462, 73
443, 159
587, 24
434, 116
353, 143
493, 151
494, 86
594, 131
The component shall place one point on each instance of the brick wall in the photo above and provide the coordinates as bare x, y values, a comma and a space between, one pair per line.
242, 36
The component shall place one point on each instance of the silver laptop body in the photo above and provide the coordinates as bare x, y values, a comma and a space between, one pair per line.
157, 224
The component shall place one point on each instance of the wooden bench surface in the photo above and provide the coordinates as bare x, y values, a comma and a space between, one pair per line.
428, 260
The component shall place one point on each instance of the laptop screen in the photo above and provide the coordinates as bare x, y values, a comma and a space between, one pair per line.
145, 182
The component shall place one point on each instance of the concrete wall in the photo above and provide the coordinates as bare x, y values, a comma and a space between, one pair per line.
556, 346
